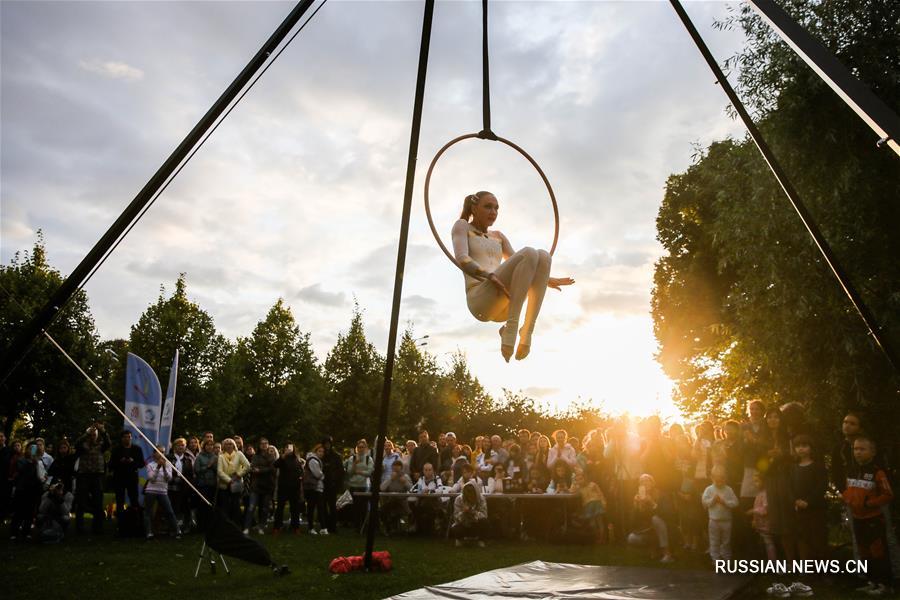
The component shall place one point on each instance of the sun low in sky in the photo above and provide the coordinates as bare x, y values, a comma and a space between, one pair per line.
298, 194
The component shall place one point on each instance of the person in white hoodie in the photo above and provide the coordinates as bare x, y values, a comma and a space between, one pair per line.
469, 514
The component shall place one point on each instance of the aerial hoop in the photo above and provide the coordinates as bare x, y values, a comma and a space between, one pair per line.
486, 134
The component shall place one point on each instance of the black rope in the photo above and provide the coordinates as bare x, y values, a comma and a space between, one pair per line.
486, 133
197, 148
58, 310
424, 46
875, 329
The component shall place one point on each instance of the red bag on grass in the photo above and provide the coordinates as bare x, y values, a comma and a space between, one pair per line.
381, 561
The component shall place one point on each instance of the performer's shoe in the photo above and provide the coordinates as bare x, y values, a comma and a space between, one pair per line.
506, 344
524, 346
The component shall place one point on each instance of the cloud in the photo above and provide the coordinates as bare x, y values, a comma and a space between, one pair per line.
376, 269
314, 294
536, 391
112, 69
620, 303
619, 258
417, 302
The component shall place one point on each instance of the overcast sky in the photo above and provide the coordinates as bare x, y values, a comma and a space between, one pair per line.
298, 194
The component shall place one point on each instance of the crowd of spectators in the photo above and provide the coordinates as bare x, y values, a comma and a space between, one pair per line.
761, 487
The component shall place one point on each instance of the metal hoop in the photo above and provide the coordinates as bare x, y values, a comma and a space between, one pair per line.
515, 147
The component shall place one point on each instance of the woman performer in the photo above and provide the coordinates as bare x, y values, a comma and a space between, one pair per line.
507, 277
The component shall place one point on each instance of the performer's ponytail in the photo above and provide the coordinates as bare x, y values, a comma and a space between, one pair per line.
470, 201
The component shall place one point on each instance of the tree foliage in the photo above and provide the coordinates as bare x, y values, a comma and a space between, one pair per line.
284, 384
354, 373
743, 305
45, 388
175, 322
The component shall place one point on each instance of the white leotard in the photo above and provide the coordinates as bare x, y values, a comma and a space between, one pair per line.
478, 252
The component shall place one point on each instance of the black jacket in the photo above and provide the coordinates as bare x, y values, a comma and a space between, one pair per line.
290, 473
421, 456
122, 470
333, 468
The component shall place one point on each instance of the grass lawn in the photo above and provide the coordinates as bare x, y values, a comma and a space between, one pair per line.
105, 567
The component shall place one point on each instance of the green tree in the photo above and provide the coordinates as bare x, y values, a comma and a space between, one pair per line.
46, 390
286, 384
471, 406
172, 323
354, 372
743, 306
417, 392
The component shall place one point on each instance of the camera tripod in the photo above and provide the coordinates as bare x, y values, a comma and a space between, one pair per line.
210, 555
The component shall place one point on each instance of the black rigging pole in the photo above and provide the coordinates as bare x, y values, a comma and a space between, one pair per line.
875, 329
42, 320
398, 279
868, 107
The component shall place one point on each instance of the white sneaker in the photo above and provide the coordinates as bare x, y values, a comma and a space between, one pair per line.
313, 532
458, 543
779, 590
480, 544
260, 531
323, 532
668, 558
867, 588
800, 589
246, 532
878, 590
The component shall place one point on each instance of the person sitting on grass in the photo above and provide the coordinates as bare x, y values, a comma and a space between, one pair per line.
53, 514
649, 526
593, 504
469, 515
393, 510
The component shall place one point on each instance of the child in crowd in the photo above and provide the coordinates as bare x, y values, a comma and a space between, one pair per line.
561, 481
809, 480
759, 516
593, 504
719, 500
867, 490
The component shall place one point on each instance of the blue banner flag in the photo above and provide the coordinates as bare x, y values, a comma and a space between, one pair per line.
165, 423
143, 400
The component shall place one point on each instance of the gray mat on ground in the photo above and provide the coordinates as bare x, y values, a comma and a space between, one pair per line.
560, 581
